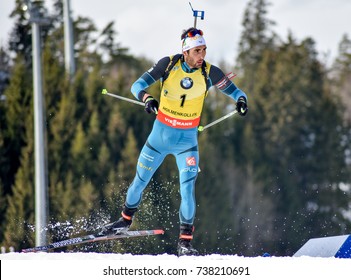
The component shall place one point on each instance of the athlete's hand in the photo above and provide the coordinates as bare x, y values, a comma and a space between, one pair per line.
241, 106
151, 105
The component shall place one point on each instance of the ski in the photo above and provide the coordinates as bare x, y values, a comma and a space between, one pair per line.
93, 238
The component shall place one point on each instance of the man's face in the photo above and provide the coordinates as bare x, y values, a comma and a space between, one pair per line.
195, 56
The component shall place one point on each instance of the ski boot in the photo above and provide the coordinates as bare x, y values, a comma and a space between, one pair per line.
184, 246
121, 225
186, 249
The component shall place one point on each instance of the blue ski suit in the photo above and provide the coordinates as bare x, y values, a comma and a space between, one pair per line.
175, 129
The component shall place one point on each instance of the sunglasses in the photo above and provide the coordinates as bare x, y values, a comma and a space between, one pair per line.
192, 33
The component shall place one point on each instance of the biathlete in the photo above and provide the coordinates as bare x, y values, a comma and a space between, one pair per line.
185, 80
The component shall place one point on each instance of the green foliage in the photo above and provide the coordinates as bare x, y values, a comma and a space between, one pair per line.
20, 208
16, 111
297, 134
3, 206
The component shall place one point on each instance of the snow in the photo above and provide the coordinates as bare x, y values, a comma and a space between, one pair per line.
99, 266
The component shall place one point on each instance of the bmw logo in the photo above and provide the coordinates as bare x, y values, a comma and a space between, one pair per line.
186, 83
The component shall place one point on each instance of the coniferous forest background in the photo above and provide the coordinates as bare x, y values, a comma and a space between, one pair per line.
268, 182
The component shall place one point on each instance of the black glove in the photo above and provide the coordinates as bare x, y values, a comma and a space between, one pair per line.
241, 106
151, 105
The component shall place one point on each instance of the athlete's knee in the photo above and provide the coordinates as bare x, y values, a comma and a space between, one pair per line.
138, 184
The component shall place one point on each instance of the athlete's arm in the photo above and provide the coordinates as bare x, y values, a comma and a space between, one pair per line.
148, 78
221, 81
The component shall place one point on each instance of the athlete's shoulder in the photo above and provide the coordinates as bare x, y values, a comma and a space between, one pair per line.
215, 71
165, 60
161, 64
159, 68
216, 74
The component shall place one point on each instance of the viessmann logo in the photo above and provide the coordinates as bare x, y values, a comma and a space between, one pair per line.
179, 123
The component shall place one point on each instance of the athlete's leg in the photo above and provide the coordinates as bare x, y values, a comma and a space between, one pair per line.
148, 162
187, 162
150, 158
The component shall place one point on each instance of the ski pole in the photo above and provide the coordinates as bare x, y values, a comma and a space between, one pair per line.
104, 91
202, 128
